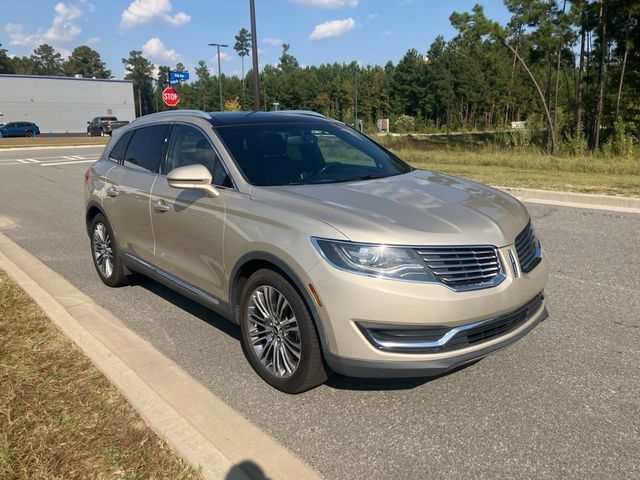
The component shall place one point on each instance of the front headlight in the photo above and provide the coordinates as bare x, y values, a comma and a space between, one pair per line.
375, 260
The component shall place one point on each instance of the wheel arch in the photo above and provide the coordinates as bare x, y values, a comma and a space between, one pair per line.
250, 263
93, 209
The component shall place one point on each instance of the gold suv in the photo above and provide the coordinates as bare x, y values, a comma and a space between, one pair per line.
330, 252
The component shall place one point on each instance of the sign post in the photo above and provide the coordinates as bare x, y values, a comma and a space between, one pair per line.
170, 97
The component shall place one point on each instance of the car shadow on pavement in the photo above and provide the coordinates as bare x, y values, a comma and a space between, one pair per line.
194, 308
340, 382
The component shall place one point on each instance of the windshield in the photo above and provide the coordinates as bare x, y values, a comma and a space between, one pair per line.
307, 153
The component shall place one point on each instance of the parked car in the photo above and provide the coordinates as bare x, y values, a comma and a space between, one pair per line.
19, 129
102, 126
330, 252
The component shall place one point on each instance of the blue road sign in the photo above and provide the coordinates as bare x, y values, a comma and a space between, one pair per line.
178, 76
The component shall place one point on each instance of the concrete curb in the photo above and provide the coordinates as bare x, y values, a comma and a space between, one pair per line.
203, 429
578, 200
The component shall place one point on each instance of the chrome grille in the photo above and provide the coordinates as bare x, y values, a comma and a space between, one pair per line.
463, 267
528, 249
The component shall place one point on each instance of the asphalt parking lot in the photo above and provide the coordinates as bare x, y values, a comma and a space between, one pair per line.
564, 402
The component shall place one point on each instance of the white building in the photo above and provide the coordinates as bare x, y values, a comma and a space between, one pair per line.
63, 104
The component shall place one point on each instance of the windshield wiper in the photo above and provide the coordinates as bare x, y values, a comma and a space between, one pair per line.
370, 177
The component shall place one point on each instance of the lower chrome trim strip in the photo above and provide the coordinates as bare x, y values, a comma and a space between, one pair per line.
435, 345
173, 279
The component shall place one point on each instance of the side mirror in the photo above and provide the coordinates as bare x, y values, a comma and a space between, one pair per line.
193, 177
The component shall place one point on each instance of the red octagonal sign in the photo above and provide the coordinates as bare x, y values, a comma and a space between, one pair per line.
170, 96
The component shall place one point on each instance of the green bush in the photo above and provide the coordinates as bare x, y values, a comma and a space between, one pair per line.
405, 124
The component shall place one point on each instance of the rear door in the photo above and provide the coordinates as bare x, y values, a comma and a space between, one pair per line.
131, 180
187, 225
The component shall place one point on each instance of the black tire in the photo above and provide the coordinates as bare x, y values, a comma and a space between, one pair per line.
117, 275
311, 370
28, 133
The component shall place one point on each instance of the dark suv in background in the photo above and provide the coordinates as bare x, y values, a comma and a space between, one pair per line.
20, 129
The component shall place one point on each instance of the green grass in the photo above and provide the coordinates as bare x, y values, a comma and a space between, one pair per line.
60, 418
487, 163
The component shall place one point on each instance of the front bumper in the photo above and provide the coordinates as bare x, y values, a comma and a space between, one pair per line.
351, 301
424, 368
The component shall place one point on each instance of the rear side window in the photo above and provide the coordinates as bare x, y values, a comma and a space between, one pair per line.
146, 147
117, 153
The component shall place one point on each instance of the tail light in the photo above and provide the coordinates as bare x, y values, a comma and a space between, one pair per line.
86, 176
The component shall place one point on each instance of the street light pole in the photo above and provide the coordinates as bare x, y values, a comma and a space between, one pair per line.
254, 54
218, 45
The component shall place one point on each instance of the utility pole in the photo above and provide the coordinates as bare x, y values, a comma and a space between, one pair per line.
218, 45
254, 54
356, 121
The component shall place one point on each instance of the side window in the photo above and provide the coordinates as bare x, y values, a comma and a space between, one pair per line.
190, 147
117, 153
146, 147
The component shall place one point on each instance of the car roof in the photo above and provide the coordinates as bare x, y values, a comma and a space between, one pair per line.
222, 119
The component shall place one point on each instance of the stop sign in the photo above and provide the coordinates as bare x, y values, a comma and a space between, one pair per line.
170, 96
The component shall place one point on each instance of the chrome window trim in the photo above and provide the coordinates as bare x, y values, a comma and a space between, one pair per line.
495, 281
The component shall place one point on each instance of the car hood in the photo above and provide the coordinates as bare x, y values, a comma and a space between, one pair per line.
417, 208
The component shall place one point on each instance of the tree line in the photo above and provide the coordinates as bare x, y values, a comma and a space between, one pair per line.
570, 69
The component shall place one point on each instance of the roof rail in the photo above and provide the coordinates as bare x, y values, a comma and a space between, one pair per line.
311, 113
185, 112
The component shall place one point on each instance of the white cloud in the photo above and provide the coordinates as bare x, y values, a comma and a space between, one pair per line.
157, 51
333, 28
93, 40
328, 3
144, 11
272, 41
224, 57
63, 27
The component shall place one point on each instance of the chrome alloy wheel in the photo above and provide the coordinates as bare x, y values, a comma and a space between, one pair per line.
102, 250
273, 331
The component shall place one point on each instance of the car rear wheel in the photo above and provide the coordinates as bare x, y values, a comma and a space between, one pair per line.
28, 133
279, 338
105, 254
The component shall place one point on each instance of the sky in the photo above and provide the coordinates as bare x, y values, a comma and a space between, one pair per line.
171, 31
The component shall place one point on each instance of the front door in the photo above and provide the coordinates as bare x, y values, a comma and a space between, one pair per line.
187, 225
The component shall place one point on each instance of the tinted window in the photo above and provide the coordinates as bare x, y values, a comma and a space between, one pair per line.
146, 147
189, 146
117, 152
307, 153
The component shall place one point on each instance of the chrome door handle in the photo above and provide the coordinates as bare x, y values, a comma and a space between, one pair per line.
112, 191
160, 206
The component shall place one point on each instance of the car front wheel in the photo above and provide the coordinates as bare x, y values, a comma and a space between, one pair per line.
279, 338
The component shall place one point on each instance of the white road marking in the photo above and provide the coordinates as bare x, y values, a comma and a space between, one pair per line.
66, 163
